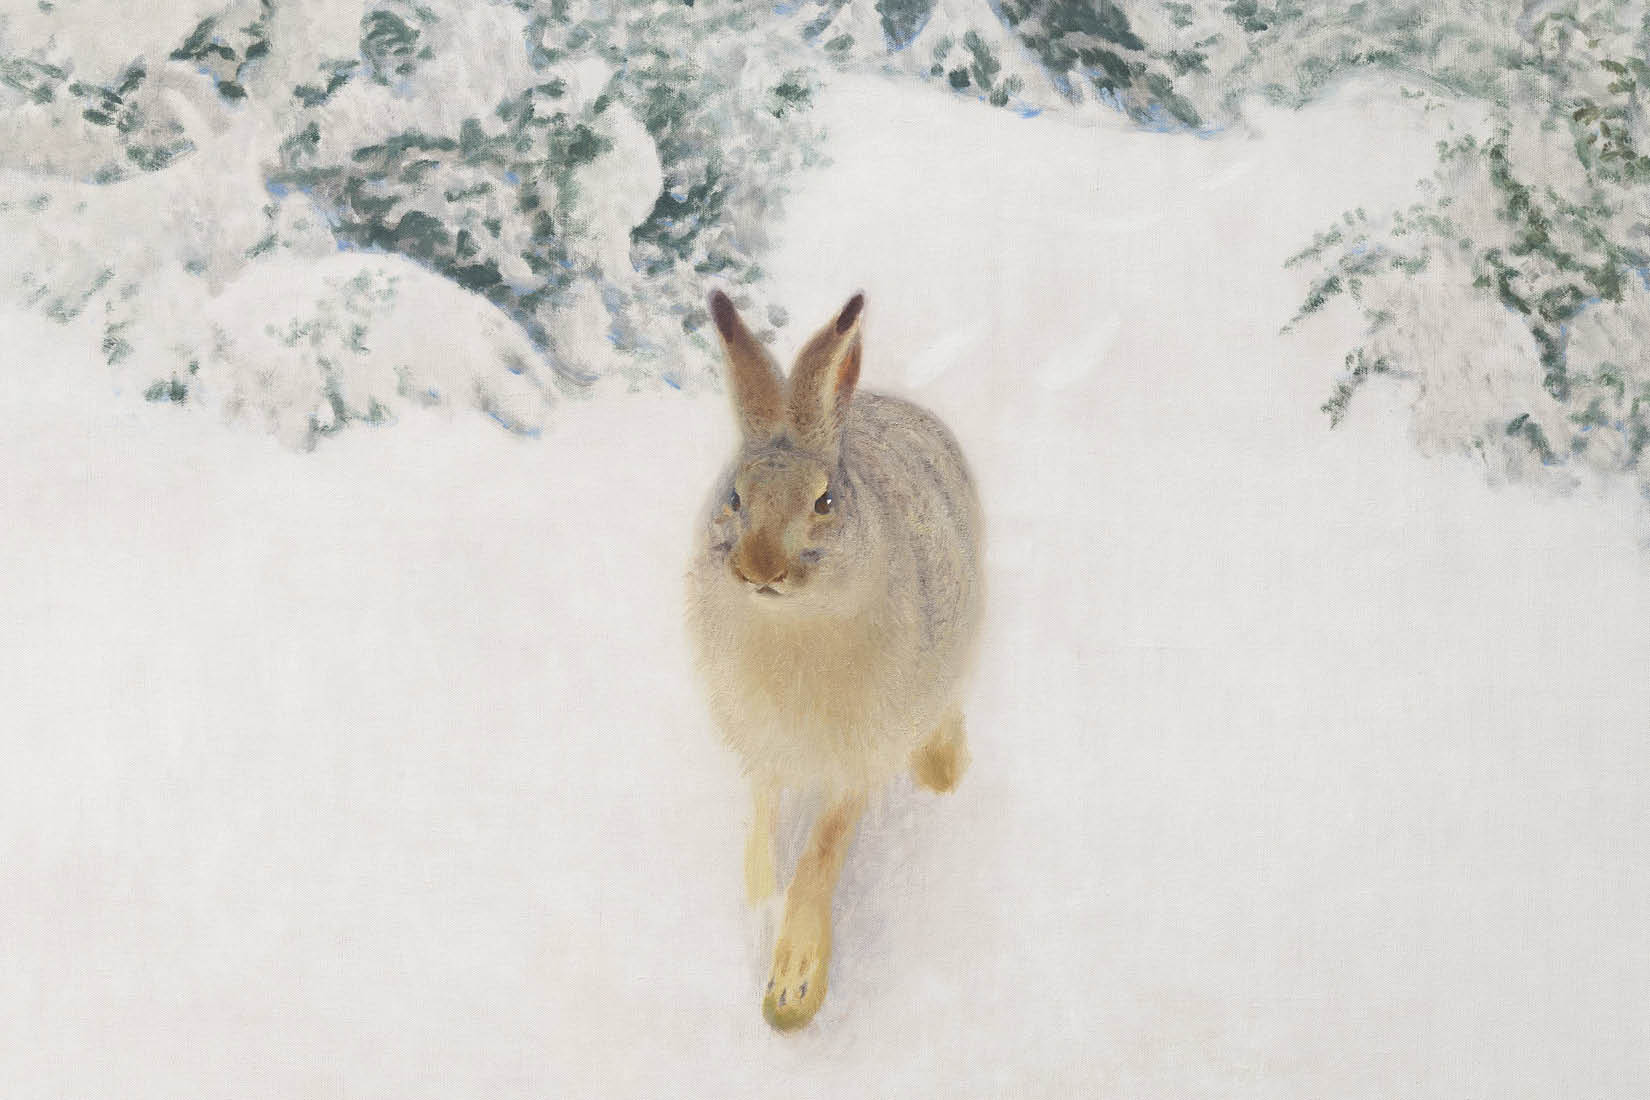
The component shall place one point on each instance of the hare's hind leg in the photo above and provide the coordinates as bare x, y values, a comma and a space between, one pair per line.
802, 956
940, 761
759, 874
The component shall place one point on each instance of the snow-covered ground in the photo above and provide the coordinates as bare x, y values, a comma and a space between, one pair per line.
1303, 765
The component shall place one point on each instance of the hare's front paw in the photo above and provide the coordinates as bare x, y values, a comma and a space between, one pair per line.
939, 762
759, 876
796, 986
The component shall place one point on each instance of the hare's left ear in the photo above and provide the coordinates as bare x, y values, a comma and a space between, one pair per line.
822, 382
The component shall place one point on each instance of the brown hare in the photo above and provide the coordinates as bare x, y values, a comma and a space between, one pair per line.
834, 603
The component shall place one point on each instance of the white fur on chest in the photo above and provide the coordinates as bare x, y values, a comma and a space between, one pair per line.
811, 700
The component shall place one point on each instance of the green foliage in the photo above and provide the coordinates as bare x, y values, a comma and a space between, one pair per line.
498, 206
1537, 214
120, 109
1080, 36
794, 93
228, 56
338, 73
173, 390
1360, 368
390, 41
1543, 215
903, 19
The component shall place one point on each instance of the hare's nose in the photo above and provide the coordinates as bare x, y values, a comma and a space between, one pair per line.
760, 561
754, 576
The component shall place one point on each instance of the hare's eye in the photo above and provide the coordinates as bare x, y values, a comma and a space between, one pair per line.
733, 499
823, 504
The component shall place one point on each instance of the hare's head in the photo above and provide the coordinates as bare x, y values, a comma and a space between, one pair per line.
787, 525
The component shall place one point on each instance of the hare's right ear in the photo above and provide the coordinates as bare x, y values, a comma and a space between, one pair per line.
752, 374
823, 380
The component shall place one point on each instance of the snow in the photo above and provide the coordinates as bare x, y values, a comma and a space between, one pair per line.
1304, 765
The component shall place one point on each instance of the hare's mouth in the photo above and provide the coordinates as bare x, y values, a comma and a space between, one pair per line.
768, 590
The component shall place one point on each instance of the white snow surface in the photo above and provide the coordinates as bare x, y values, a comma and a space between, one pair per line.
1304, 765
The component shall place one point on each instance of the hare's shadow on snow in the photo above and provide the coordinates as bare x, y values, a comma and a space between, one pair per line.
880, 895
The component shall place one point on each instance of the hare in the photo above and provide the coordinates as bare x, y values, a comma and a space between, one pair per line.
834, 603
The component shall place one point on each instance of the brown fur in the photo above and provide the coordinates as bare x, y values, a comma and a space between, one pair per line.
940, 761
752, 371
834, 606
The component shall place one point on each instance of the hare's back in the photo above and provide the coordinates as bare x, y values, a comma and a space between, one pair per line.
910, 465
913, 449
